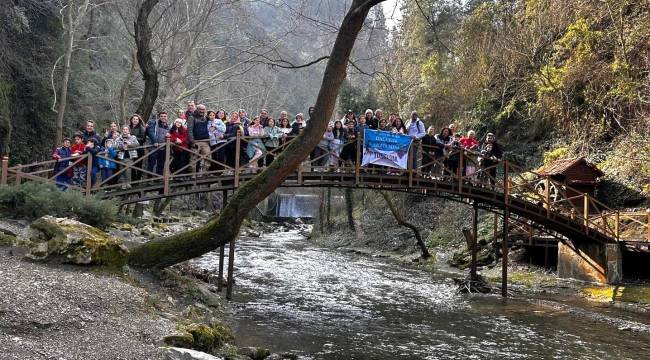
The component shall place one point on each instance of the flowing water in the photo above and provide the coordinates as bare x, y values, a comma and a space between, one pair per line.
291, 295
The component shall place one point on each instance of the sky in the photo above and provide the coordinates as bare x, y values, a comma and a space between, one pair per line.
392, 12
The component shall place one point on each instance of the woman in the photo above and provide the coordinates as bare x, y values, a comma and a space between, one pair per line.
178, 137
320, 157
370, 119
255, 149
429, 150
349, 116
216, 130
398, 127
233, 128
349, 151
335, 147
274, 135
298, 125
383, 125
137, 129
444, 141
285, 128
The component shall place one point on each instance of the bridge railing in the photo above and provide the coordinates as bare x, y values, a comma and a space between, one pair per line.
462, 169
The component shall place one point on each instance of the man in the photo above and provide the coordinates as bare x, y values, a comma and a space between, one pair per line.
243, 118
157, 131
89, 132
264, 118
283, 115
198, 137
489, 155
191, 108
416, 131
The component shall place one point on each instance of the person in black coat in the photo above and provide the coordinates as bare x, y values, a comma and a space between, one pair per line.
490, 154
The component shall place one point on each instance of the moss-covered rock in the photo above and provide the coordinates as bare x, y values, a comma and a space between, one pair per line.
207, 337
181, 339
73, 242
255, 353
7, 240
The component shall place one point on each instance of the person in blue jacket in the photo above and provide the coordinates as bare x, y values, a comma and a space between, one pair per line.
62, 155
106, 166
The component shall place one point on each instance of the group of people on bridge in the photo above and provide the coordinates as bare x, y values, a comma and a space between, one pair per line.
198, 134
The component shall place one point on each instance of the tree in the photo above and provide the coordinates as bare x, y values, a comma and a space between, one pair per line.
73, 20
400, 221
220, 230
145, 59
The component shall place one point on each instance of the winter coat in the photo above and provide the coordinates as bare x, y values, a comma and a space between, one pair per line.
111, 153
273, 135
91, 135
140, 133
217, 129
62, 153
92, 152
156, 131
256, 143
431, 145
296, 127
469, 143
491, 152
132, 142
78, 149
325, 140
178, 134
197, 129
416, 128
339, 134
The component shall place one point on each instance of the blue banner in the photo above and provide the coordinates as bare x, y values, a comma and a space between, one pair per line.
385, 148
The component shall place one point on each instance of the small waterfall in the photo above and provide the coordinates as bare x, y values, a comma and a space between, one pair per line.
296, 206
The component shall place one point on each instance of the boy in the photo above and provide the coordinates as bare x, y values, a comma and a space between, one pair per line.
61, 154
79, 169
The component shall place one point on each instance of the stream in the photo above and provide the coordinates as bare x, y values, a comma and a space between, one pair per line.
293, 296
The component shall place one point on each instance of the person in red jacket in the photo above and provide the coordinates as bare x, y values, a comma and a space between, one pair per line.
178, 137
470, 145
79, 169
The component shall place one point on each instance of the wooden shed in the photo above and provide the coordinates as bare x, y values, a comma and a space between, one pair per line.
578, 174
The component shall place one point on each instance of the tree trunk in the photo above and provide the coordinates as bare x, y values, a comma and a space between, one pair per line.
222, 229
329, 209
124, 90
402, 222
66, 77
349, 205
145, 59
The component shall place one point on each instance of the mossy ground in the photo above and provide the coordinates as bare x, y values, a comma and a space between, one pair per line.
639, 294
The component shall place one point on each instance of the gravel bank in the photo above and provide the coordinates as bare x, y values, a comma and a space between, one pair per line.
65, 312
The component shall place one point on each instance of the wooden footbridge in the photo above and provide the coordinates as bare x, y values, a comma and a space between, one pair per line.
522, 197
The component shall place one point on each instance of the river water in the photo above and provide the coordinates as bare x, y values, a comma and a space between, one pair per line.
293, 296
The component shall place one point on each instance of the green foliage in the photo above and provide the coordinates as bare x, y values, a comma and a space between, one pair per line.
32, 200
555, 154
356, 98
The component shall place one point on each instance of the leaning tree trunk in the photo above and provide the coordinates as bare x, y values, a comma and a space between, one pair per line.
402, 222
222, 229
145, 59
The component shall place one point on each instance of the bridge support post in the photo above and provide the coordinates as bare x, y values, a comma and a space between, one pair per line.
5, 170
89, 170
166, 169
589, 261
357, 163
506, 226
472, 270
222, 248
231, 268
237, 157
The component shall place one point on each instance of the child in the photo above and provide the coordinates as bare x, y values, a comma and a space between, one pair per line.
79, 169
61, 154
107, 166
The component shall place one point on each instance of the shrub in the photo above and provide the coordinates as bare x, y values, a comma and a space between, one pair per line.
32, 200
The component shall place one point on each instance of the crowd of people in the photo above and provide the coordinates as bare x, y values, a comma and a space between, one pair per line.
199, 134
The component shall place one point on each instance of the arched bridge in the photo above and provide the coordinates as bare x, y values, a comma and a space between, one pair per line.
523, 196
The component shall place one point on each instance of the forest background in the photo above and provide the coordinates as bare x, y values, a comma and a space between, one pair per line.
551, 78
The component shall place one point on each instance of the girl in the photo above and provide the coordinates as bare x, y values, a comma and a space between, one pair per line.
137, 128
79, 170
255, 148
398, 127
216, 129
274, 134
178, 137
106, 166
338, 138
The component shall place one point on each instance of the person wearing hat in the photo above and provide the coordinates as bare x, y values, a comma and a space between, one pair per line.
490, 154
349, 116
62, 172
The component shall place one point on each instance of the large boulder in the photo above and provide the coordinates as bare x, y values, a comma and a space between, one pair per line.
73, 242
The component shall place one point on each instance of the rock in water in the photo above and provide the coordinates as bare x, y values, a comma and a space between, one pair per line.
73, 242
187, 354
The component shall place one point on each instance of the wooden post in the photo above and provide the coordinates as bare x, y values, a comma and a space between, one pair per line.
409, 166
617, 225
585, 202
495, 228
222, 248
357, 164
648, 224
5, 170
472, 272
166, 170
547, 196
459, 172
237, 155
506, 225
89, 169
19, 173
231, 268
